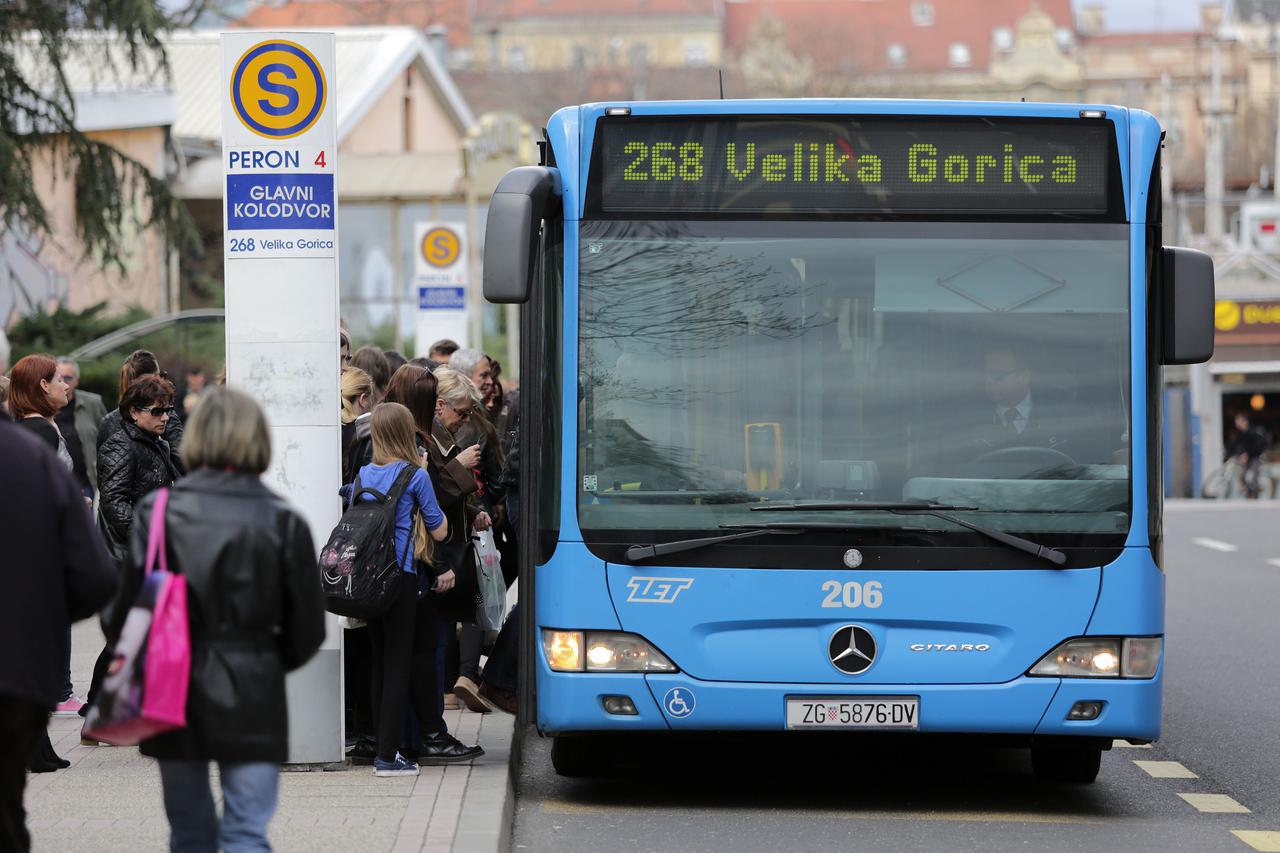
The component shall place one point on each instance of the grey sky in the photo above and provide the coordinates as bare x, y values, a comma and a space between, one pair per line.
1147, 15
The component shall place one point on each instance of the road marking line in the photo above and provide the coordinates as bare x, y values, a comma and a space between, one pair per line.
1219, 803
1124, 744
566, 807
1266, 841
1215, 544
1166, 770
1274, 561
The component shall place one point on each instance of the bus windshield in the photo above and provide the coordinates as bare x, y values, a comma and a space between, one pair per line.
727, 365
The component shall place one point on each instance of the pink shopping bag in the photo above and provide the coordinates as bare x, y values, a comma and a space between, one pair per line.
145, 690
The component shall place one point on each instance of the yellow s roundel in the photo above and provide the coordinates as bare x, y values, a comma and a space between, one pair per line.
278, 89
1226, 315
441, 246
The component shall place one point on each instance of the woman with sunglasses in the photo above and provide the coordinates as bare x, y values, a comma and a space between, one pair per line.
136, 460
140, 363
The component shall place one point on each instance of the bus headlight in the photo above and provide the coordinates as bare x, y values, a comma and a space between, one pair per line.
1102, 657
602, 651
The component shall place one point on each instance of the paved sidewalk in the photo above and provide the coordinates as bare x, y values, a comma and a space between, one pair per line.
109, 799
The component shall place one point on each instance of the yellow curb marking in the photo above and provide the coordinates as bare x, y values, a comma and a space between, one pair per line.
1124, 744
565, 807
1215, 803
1265, 841
1166, 770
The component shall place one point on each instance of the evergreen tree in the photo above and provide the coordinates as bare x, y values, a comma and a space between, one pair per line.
115, 195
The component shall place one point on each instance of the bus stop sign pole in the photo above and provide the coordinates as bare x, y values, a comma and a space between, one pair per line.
281, 274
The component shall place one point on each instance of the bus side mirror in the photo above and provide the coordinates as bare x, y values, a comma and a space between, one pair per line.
1187, 307
520, 202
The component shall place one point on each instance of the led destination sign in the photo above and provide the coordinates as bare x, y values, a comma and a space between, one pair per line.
764, 166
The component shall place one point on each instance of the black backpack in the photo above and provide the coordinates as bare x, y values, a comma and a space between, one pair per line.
359, 572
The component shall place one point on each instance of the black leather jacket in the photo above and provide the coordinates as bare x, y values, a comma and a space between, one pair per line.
131, 463
254, 605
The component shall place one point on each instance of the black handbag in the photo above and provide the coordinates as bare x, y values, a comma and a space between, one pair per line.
459, 603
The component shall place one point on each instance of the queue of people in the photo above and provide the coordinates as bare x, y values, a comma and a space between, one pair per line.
86, 481
405, 669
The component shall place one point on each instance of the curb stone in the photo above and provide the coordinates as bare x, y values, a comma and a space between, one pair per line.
488, 806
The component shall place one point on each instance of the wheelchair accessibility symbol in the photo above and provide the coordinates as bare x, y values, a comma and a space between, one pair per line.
278, 89
679, 702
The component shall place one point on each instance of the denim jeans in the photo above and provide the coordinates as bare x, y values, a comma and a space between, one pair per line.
248, 802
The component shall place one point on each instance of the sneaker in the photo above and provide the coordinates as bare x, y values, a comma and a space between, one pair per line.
444, 748
69, 707
400, 766
467, 691
503, 699
363, 750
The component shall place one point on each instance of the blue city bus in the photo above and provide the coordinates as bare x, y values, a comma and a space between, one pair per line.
844, 415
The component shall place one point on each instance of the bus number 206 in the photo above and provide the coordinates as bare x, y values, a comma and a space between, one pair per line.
853, 594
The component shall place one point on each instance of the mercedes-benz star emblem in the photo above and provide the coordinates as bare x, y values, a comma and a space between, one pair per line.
852, 649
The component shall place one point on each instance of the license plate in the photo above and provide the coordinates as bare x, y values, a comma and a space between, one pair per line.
862, 712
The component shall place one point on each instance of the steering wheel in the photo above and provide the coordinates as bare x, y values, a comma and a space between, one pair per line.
1045, 457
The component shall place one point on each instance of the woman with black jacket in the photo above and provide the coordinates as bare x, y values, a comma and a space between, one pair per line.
255, 612
136, 460
140, 363
36, 393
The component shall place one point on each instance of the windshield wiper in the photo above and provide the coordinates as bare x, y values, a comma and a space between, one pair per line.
643, 552
937, 510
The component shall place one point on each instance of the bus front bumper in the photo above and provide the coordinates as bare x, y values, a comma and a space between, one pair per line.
575, 702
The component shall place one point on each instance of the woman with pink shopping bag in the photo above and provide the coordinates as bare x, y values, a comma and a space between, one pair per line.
246, 562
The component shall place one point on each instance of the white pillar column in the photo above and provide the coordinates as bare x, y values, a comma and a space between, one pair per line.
281, 273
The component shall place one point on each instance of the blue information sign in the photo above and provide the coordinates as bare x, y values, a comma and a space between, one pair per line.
441, 298
276, 201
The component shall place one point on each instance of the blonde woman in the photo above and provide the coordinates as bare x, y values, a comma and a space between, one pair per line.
256, 613
396, 642
357, 406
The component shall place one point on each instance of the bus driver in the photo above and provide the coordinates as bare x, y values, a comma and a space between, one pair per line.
1018, 415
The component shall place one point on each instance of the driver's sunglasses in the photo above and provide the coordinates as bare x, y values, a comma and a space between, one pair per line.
1004, 374
463, 415
158, 411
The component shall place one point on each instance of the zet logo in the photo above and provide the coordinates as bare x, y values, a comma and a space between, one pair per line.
440, 247
1226, 315
277, 89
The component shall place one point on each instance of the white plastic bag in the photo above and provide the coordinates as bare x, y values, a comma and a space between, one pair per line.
491, 606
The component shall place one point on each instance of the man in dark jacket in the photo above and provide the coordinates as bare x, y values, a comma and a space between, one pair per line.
59, 573
1251, 441
81, 417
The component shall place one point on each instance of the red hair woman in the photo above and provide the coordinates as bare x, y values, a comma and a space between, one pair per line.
36, 393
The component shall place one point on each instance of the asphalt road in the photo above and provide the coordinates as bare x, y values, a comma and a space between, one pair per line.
1221, 723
